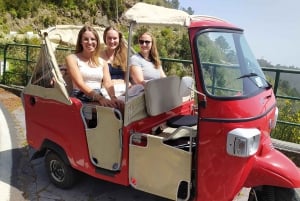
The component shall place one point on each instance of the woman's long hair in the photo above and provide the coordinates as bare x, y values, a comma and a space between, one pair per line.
79, 48
120, 54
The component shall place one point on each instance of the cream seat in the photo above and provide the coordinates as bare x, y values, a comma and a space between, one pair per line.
162, 95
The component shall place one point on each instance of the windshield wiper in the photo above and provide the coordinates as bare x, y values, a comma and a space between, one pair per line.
254, 74
247, 75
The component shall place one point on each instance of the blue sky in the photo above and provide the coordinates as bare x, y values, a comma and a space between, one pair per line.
272, 27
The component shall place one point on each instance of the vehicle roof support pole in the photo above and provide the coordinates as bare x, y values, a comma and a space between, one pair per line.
131, 25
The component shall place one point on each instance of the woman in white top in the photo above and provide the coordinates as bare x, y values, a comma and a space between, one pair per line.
88, 71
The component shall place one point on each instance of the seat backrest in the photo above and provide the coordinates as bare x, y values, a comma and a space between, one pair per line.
186, 85
162, 95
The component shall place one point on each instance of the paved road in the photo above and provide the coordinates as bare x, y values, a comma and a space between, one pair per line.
10, 153
5, 158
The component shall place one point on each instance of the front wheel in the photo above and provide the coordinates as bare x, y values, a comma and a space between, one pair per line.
273, 193
60, 174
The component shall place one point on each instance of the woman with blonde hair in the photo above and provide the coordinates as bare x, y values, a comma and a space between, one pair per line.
115, 54
146, 65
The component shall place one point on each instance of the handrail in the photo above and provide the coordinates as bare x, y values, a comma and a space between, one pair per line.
22, 55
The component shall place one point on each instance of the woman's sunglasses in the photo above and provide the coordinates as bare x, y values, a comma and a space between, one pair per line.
141, 42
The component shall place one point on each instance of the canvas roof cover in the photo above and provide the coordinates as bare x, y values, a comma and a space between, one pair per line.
67, 34
143, 13
140, 13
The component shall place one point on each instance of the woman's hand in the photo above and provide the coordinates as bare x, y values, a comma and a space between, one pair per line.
119, 103
106, 102
114, 102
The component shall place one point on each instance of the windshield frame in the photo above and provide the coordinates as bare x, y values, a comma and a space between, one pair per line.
250, 79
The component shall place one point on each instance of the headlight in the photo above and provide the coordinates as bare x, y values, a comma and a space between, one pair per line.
243, 142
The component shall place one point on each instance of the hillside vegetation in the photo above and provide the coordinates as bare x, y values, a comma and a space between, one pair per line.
32, 15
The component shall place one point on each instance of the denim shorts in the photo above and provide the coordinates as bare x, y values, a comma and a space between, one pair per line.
84, 98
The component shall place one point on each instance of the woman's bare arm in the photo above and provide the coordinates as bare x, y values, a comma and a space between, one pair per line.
137, 75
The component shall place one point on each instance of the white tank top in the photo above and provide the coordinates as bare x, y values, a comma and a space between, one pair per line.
92, 76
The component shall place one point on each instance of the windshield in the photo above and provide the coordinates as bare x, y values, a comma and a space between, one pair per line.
229, 68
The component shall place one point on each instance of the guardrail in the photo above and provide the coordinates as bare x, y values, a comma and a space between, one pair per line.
19, 61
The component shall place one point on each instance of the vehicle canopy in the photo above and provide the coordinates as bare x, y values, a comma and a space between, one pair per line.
142, 13
67, 34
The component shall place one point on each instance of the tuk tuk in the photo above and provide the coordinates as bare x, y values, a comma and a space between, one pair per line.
202, 137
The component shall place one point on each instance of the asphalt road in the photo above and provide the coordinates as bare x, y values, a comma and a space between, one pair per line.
10, 151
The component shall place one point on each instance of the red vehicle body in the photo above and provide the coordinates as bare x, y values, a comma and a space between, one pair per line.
229, 147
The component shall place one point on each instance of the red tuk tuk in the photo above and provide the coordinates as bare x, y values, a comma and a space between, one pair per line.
214, 126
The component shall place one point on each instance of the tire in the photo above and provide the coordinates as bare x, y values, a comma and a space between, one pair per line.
60, 174
273, 193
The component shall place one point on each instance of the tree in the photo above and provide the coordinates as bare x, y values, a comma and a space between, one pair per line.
189, 10
222, 43
288, 113
175, 4
264, 63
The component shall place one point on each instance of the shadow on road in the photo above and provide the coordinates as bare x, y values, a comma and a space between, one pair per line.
30, 178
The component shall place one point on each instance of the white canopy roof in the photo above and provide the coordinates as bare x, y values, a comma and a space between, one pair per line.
143, 13
67, 34
140, 13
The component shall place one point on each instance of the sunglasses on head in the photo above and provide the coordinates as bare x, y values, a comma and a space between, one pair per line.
141, 42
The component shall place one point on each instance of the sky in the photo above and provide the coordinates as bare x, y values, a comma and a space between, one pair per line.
271, 27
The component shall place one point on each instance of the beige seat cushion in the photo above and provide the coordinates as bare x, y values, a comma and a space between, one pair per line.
162, 95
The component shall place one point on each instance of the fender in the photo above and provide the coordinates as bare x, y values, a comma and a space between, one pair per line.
273, 168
